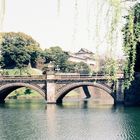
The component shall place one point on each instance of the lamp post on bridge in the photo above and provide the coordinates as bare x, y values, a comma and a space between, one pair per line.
57, 69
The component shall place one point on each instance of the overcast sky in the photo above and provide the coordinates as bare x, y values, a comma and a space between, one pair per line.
63, 24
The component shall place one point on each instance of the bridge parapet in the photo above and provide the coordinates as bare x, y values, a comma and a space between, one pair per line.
61, 76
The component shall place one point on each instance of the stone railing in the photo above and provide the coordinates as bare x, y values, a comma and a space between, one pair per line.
61, 76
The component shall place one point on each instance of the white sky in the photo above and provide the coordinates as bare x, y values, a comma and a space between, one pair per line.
69, 28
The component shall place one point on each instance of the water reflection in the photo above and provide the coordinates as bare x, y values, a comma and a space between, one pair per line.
69, 121
85, 104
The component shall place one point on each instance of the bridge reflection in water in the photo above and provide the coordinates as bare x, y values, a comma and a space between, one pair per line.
56, 87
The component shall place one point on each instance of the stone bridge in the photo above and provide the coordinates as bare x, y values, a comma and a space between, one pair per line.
53, 87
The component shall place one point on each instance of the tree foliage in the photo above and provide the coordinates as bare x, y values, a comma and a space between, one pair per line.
35, 52
111, 68
131, 33
27, 91
83, 68
76, 67
58, 56
17, 49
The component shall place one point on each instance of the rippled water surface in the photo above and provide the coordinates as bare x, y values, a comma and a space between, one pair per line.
34, 120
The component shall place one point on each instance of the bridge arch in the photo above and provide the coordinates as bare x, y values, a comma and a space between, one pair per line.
64, 91
6, 89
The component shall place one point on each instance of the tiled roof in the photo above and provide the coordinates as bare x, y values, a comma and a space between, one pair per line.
83, 50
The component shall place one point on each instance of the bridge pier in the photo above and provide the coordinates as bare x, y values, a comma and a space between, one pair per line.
119, 94
51, 90
86, 91
51, 93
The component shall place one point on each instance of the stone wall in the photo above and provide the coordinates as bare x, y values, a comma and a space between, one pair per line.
132, 95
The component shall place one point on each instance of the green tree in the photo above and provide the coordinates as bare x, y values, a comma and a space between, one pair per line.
35, 52
83, 68
71, 67
58, 56
17, 49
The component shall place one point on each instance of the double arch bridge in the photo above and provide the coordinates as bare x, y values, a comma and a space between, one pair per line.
53, 87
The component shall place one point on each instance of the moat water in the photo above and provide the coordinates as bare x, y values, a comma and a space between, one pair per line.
34, 120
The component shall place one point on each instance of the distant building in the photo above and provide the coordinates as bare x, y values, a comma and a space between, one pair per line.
83, 55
